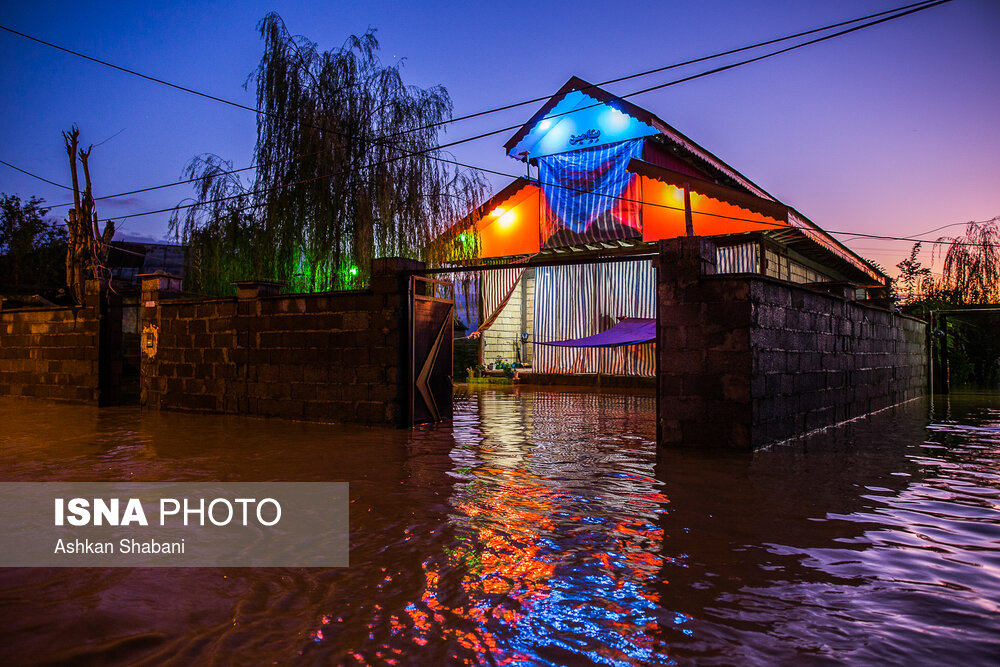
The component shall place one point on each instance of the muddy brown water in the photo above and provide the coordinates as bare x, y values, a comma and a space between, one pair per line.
540, 527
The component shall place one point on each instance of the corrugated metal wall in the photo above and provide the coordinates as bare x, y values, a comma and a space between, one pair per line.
584, 299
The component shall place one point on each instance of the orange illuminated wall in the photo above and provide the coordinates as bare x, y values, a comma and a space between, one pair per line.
512, 227
663, 214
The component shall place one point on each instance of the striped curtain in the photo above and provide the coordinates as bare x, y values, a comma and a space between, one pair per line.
742, 258
498, 285
584, 299
589, 196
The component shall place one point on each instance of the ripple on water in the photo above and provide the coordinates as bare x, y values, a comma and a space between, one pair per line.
541, 527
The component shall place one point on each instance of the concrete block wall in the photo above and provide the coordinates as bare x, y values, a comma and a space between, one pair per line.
748, 361
820, 359
52, 353
323, 357
703, 378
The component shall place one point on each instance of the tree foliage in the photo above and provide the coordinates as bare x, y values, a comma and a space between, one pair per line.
971, 270
347, 172
912, 273
970, 276
32, 248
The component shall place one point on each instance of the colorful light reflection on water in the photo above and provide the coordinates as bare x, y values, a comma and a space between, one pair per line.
541, 528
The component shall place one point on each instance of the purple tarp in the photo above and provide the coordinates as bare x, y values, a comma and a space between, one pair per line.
628, 331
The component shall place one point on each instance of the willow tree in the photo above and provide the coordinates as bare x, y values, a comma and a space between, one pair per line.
970, 273
347, 170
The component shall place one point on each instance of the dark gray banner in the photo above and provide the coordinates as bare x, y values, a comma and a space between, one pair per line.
173, 524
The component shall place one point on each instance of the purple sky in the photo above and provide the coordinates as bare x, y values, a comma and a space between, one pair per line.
892, 130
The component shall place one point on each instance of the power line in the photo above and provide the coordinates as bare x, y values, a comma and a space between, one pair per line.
913, 10
777, 225
908, 9
685, 63
41, 178
132, 71
954, 224
716, 70
195, 179
887, 15
571, 189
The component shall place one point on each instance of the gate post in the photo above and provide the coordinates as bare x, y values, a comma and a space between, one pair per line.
154, 287
390, 280
111, 358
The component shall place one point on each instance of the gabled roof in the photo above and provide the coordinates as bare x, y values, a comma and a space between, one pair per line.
668, 132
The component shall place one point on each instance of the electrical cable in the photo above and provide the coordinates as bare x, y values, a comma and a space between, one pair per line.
41, 178
571, 189
906, 9
664, 68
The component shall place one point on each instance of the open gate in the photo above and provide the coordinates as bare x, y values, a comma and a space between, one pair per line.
432, 317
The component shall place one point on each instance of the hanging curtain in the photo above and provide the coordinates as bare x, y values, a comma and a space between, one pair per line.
589, 196
497, 287
581, 300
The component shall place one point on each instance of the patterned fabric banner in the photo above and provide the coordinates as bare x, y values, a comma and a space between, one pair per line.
580, 300
589, 196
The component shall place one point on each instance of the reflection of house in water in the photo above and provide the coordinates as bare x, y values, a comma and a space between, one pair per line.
576, 240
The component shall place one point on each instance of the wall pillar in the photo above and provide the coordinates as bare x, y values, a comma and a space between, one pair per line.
153, 288
391, 280
703, 347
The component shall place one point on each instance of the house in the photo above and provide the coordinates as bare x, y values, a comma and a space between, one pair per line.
572, 244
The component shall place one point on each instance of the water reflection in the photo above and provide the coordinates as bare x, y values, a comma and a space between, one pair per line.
543, 528
551, 571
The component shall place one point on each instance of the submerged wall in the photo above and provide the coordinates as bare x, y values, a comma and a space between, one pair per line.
745, 361
52, 352
335, 356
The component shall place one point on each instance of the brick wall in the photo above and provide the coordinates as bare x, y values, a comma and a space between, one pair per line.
745, 362
328, 357
52, 352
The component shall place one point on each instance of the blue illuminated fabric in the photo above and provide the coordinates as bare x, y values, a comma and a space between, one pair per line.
589, 196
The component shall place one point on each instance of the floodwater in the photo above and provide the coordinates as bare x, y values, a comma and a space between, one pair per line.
540, 528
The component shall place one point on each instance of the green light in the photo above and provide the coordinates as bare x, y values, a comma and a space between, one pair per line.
462, 237
353, 270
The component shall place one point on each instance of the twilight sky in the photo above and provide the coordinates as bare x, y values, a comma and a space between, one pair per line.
893, 130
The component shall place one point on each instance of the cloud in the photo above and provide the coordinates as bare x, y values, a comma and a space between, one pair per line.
122, 203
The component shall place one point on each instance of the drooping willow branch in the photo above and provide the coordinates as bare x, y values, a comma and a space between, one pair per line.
346, 172
971, 270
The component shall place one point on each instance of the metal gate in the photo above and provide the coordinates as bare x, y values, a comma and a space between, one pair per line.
432, 317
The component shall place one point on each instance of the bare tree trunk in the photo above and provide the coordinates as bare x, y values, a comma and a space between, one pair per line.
87, 249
